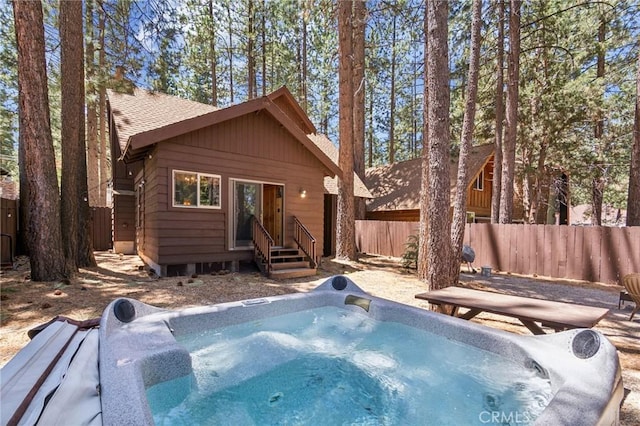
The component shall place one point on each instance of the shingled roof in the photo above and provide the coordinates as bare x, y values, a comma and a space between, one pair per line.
397, 186
331, 183
144, 111
144, 118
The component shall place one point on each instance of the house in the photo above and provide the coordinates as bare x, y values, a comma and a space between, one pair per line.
190, 180
396, 187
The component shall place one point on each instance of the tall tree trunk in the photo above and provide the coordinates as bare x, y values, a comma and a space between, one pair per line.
345, 235
75, 213
414, 107
497, 161
392, 107
230, 51
93, 150
599, 175
511, 130
423, 231
468, 124
527, 185
633, 199
536, 214
102, 107
44, 236
359, 24
264, 48
540, 178
534, 176
213, 58
439, 238
370, 132
251, 59
304, 70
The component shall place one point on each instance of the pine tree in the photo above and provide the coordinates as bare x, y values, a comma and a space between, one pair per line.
43, 233
8, 92
460, 203
359, 81
511, 128
93, 149
345, 235
102, 111
633, 199
438, 249
75, 213
499, 105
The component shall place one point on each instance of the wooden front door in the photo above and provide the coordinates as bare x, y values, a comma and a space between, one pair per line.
272, 213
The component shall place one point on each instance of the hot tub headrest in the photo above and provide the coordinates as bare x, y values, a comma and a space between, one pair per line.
585, 344
339, 283
124, 310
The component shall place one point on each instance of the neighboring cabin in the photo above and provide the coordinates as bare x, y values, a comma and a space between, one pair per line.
396, 187
189, 178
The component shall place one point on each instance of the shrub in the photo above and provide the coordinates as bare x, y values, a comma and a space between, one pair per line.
410, 255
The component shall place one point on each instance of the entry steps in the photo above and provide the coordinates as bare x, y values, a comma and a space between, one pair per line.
289, 263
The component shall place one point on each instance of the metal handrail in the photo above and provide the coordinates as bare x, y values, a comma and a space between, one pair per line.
305, 240
262, 243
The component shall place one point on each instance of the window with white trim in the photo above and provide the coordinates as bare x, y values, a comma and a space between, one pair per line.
478, 185
191, 189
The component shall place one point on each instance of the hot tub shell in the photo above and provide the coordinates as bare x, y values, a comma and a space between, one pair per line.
138, 350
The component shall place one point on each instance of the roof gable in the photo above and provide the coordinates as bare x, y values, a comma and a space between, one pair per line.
145, 118
285, 101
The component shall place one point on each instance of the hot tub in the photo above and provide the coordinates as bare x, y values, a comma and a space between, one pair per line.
339, 355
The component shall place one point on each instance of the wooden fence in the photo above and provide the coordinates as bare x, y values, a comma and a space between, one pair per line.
101, 230
597, 254
388, 238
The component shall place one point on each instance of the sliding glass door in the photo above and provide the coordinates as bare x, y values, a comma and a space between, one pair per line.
262, 200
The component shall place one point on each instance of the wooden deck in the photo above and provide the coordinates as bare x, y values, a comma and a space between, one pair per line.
556, 315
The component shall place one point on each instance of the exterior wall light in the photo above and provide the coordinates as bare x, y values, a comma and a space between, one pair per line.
303, 193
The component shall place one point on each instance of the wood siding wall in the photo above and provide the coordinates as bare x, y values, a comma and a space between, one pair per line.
253, 148
478, 201
330, 224
124, 210
101, 220
8, 227
597, 254
395, 215
122, 173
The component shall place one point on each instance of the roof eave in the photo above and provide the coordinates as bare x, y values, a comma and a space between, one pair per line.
134, 149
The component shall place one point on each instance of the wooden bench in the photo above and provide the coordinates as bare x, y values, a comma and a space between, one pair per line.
556, 315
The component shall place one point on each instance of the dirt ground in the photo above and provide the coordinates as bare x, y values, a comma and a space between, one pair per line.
25, 304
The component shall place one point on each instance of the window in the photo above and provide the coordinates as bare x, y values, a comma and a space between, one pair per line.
478, 185
192, 189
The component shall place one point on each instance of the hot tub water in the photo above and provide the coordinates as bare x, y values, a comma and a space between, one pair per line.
330, 365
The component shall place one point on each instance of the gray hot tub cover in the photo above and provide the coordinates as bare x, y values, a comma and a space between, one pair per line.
54, 379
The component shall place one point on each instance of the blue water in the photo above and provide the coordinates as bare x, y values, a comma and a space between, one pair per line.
330, 366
